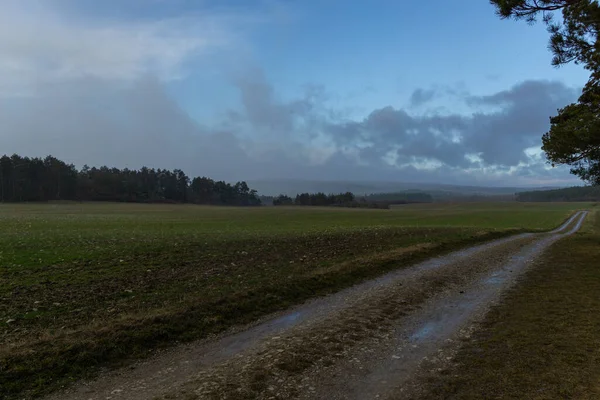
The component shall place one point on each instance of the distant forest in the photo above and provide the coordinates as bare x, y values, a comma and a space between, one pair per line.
36, 179
315, 199
406, 197
49, 179
348, 199
576, 193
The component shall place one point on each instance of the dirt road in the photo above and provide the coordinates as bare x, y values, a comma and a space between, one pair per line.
366, 342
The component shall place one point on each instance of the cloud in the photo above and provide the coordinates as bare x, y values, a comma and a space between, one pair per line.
421, 96
95, 92
268, 115
528, 93
41, 46
91, 122
512, 122
491, 144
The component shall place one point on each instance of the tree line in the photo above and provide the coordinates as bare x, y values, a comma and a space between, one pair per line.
576, 193
48, 179
402, 197
315, 199
348, 199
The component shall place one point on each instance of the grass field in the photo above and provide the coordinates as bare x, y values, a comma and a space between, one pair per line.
88, 285
542, 341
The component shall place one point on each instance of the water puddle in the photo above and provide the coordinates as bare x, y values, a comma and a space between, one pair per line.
495, 279
287, 320
424, 332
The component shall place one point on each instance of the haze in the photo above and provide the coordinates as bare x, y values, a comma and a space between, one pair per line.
431, 91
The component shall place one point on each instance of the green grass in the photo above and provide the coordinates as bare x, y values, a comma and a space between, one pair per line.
543, 340
88, 285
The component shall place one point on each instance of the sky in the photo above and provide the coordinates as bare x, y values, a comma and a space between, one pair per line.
436, 91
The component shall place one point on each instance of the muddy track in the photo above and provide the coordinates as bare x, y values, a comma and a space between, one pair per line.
367, 341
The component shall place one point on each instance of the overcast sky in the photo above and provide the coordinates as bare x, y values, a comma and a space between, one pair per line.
434, 91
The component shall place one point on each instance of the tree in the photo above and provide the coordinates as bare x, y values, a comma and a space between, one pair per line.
283, 200
574, 139
182, 183
574, 135
302, 199
202, 190
36, 179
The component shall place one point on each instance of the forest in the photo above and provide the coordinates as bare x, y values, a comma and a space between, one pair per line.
50, 179
348, 199
399, 197
315, 199
575, 193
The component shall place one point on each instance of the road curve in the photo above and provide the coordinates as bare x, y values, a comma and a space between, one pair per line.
367, 341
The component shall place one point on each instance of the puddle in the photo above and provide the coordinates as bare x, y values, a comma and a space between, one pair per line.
244, 340
495, 279
517, 258
423, 332
287, 320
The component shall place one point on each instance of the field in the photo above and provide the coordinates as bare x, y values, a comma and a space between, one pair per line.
84, 286
541, 341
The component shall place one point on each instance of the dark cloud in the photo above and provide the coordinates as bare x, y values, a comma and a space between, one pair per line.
528, 93
421, 96
513, 120
266, 113
95, 122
